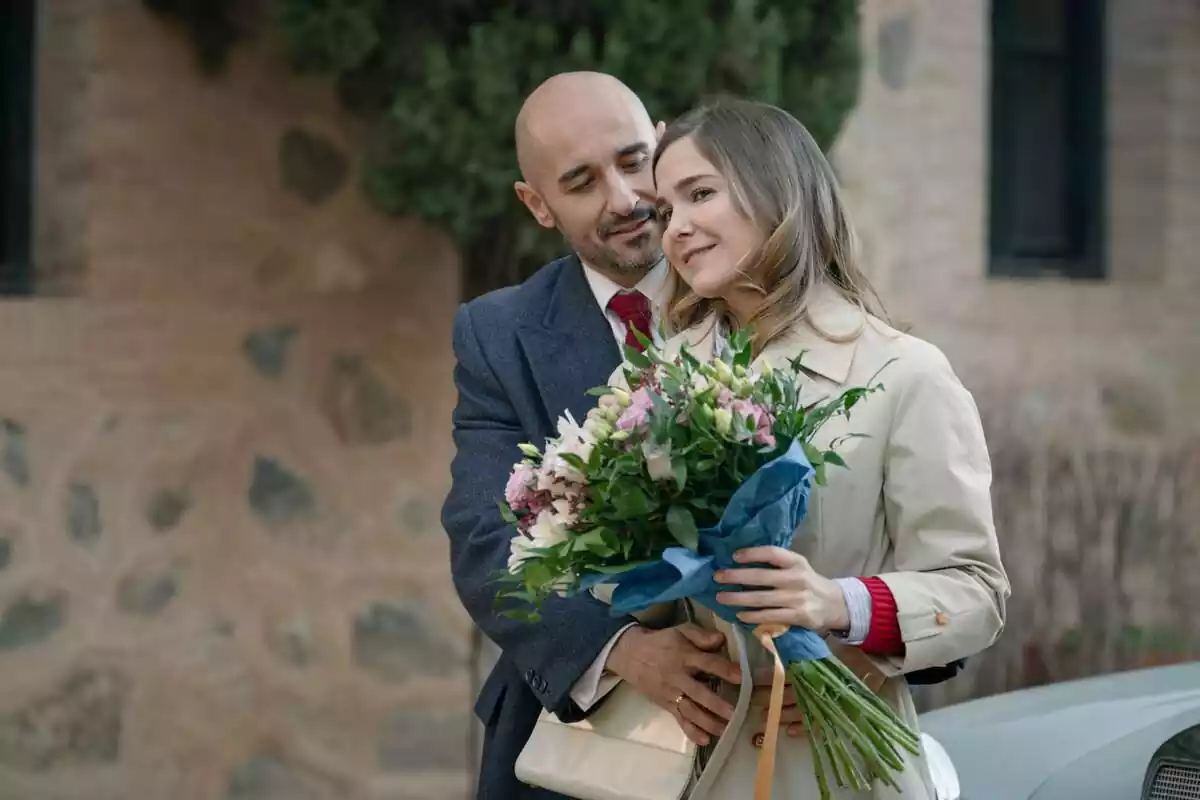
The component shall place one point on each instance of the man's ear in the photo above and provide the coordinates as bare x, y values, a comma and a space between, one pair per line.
534, 202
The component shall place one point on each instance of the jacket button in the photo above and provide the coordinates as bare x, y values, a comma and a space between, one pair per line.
940, 618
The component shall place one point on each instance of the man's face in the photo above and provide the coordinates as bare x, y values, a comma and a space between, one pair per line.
596, 187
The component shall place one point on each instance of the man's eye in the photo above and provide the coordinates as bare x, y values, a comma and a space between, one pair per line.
636, 165
579, 187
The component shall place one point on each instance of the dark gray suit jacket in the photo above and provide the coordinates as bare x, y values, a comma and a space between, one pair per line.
525, 353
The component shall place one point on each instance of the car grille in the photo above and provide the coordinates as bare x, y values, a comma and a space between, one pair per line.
1174, 782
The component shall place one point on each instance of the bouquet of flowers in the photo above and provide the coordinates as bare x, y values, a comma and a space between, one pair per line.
657, 489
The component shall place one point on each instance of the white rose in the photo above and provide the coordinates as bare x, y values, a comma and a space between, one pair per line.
548, 530
658, 461
563, 512
519, 552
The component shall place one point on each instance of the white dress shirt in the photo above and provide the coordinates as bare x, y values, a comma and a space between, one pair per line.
656, 286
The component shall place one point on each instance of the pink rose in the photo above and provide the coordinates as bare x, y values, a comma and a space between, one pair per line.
519, 489
759, 421
637, 414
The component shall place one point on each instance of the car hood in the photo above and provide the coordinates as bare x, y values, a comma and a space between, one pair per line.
1092, 738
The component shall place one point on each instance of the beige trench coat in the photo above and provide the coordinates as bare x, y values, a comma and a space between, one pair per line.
913, 508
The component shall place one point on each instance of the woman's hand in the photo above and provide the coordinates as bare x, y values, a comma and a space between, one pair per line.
791, 593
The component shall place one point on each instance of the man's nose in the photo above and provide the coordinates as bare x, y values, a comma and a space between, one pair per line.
622, 199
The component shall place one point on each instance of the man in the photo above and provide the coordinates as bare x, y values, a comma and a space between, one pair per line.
527, 353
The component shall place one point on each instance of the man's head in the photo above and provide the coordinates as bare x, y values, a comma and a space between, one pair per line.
584, 142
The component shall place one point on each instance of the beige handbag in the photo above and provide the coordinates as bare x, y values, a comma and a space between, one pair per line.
629, 748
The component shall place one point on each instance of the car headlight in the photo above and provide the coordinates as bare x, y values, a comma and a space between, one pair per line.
941, 769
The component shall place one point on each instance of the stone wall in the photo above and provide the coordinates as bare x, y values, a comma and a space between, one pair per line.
1088, 390
224, 439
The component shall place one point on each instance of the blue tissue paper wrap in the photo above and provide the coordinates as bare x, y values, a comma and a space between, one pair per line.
765, 510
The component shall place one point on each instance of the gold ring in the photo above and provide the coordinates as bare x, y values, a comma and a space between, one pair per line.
678, 700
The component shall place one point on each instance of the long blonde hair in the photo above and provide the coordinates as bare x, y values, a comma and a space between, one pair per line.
783, 183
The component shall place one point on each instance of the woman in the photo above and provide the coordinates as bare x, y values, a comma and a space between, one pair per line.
755, 228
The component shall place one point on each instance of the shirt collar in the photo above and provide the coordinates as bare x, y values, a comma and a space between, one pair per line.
654, 285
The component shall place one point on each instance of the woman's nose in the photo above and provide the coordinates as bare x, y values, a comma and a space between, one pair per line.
678, 227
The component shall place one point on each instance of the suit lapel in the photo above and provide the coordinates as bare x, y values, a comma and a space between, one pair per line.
572, 349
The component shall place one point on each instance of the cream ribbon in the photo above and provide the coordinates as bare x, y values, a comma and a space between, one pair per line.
765, 774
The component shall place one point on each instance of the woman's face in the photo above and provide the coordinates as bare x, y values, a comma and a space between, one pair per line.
705, 237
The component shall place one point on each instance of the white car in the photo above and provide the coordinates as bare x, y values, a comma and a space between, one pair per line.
1123, 736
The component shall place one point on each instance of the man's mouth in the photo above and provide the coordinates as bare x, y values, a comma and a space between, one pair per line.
626, 228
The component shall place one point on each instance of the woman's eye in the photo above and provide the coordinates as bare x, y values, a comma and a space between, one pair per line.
664, 215
700, 193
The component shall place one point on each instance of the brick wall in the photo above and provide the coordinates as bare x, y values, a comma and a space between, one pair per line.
1088, 391
224, 437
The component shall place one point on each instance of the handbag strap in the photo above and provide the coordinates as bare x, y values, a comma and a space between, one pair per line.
765, 775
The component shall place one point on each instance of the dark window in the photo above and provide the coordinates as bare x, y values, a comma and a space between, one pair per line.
16, 144
1047, 170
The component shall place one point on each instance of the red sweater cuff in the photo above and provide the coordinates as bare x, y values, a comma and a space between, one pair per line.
883, 638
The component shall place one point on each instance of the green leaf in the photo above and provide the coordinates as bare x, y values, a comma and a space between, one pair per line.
646, 343
617, 569
631, 502
594, 542
507, 513
679, 469
682, 526
599, 391
536, 574
574, 460
637, 359
833, 458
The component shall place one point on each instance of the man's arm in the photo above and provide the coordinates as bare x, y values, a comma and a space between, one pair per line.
555, 653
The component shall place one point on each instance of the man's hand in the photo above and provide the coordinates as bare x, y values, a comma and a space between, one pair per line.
665, 666
791, 719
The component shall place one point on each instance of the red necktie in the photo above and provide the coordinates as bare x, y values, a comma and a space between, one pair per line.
634, 310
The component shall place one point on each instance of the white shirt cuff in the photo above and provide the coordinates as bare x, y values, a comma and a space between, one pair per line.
594, 685
858, 603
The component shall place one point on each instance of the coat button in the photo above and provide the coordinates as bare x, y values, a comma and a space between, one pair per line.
940, 618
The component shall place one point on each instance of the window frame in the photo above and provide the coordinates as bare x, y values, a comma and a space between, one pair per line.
1083, 60
18, 31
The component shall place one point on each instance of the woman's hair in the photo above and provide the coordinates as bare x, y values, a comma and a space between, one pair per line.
781, 181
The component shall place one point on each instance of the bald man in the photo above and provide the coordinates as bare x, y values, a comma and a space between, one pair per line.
525, 354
